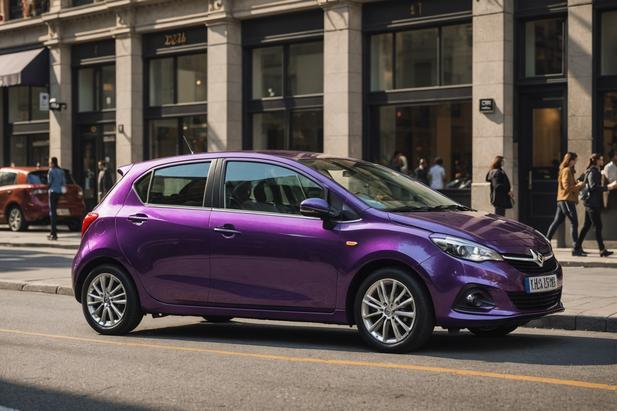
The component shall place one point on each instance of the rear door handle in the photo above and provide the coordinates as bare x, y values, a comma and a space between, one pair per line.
138, 219
227, 230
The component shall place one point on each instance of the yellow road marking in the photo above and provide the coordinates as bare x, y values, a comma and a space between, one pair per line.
308, 360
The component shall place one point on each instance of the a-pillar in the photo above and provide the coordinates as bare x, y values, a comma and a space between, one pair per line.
343, 78
492, 78
129, 103
224, 85
60, 125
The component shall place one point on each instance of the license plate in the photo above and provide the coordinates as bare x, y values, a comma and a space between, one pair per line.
63, 211
541, 284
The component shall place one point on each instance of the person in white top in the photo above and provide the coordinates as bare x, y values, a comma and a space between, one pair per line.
610, 172
437, 175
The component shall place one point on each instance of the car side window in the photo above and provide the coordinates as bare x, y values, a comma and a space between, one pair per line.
267, 188
179, 185
7, 178
141, 187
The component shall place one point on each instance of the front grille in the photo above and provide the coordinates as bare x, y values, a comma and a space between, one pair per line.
530, 267
537, 301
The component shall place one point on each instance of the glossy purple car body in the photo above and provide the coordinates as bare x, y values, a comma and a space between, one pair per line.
279, 235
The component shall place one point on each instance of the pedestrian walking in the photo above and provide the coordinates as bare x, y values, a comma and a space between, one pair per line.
501, 190
105, 180
592, 198
437, 175
421, 172
398, 162
610, 173
567, 198
56, 187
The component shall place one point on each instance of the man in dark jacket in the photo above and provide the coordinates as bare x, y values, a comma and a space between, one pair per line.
592, 195
501, 190
105, 180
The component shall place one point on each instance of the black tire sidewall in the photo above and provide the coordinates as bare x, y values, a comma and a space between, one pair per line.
424, 323
133, 313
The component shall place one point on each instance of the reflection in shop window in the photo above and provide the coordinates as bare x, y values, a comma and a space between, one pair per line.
456, 46
267, 72
269, 130
163, 138
427, 132
35, 104
192, 80
161, 81
544, 43
19, 104
195, 129
609, 126
108, 84
307, 130
305, 72
416, 58
381, 62
609, 43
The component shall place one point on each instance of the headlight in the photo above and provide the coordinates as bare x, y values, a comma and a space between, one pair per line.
467, 250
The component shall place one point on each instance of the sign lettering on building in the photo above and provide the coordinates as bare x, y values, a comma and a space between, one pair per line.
487, 105
175, 39
415, 10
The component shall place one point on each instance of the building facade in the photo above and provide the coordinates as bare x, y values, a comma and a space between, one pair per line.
463, 80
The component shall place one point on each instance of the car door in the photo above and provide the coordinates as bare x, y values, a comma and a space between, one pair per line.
161, 229
7, 180
264, 253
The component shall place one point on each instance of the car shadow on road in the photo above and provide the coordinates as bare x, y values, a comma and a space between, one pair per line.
20, 396
521, 347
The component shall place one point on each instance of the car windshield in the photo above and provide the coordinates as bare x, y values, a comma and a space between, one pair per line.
40, 177
382, 188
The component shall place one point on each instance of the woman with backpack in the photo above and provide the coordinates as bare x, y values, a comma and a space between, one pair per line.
567, 198
501, 190
593, 200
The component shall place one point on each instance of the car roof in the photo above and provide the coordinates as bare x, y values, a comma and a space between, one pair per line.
24, 169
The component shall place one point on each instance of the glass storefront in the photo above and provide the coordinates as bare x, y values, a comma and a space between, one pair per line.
427, 131
177, 80
608, 39
438, 56
300, 130
609, 123
167, 136
544, 47
96, 87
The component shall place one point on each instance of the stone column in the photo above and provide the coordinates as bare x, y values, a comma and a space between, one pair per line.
129, 99
2, 128
60, 124
580, 86
4, 10
224, 85
342, 78
492, 78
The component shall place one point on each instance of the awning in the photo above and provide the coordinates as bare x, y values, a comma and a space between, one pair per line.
28, 68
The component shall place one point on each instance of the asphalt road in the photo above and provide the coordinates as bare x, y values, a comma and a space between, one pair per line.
50, 359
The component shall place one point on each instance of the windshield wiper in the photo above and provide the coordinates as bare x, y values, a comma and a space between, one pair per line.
457, 207
403, 209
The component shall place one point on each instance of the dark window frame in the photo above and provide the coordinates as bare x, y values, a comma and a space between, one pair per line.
30, 101
98, 95
520, 53
285, 102
179, 122
602, 84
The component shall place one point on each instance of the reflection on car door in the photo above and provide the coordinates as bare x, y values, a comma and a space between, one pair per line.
161, 229
264, 253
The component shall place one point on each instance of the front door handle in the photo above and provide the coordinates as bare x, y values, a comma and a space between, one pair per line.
138, 219
227, 230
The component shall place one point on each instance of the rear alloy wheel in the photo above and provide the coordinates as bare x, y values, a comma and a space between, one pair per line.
492, 332
17, 222
393, 311
217, 318
110, 302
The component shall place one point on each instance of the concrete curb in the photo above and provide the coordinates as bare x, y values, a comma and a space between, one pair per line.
41, 245
589, 264
558, 321
35, 287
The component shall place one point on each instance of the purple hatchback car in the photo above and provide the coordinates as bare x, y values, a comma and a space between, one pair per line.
306, 237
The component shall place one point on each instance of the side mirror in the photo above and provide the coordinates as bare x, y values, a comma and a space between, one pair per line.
315, 207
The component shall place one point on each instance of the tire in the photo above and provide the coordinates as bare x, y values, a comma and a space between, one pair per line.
16, 219
99, 318
217, 319
493, 332
74, 226
419, 328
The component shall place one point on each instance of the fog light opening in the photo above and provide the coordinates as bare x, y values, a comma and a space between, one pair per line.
475, 299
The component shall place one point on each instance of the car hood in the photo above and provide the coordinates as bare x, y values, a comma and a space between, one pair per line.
503, 235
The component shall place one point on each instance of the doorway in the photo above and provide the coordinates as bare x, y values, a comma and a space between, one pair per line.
97, 142
542, 143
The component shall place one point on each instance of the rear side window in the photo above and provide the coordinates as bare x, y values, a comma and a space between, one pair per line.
7, 178
37, 177
181, 185
141, 187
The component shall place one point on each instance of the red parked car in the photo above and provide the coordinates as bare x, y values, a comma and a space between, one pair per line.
24, 199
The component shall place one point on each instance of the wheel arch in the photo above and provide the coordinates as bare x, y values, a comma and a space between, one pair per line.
98, 261
370, 267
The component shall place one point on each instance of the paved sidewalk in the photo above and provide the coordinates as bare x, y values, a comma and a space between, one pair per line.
37, 237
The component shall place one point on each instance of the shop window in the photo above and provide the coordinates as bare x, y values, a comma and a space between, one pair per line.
609, 43
305, 71
24, 104
439, 56
31, 151
300, 130
427, 132
96, 88
609, 124
20, 9
544, 46
267, 72
169, 137
178, 79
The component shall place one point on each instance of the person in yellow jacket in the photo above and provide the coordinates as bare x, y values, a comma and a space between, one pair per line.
567, 198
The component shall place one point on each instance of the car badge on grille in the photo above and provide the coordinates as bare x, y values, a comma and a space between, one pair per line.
538, 258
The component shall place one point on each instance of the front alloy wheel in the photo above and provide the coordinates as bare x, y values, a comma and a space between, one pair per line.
17, 221
110, 302
393, 311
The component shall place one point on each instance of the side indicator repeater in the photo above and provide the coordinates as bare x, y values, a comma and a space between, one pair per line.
351, 243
